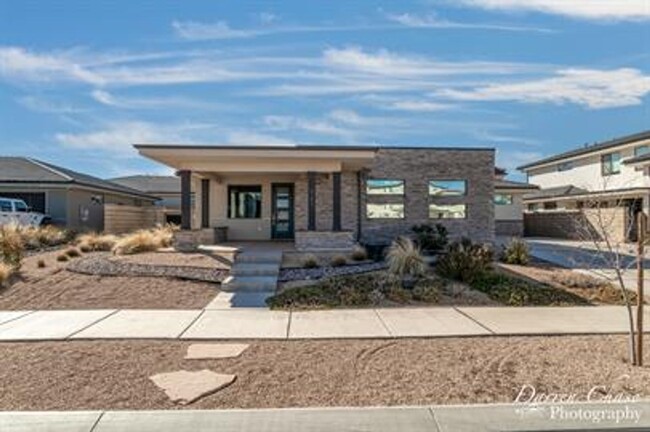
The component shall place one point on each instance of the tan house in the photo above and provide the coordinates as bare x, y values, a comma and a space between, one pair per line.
330, 197
612, 175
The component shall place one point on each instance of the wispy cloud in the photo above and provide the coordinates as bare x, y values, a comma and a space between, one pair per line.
418, 106
594, 89
612, 10
432, 21
293, 123
151, 103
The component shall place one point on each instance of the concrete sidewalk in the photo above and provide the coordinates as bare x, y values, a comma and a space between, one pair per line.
469, 418
324, 324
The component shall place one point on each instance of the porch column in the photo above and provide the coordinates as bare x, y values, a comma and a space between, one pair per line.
205, 203
311, 201
336, 201
186, 199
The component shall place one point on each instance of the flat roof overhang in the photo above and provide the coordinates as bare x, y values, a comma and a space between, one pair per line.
275, 159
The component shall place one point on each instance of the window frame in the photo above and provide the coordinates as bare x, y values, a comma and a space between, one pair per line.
510, 202
608, 160
403, 216
465, 211
402, 193
465, 188
242, 188
643, 146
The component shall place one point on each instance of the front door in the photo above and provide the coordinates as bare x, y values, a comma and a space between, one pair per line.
282, 211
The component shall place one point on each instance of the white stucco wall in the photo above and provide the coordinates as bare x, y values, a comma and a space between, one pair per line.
587, 174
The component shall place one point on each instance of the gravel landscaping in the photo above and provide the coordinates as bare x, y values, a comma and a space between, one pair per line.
52, 287
84, 375
106, 265
294, 274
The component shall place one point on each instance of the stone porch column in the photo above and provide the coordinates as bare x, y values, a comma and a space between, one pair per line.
311, 201
336, 201
186, 199
205, 203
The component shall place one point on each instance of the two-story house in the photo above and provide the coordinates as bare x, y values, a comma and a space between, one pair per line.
612, 174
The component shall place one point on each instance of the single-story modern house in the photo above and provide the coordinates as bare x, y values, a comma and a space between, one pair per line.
72, 199
167, 188
329, 197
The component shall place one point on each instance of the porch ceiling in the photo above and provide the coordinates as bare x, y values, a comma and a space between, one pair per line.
259, 159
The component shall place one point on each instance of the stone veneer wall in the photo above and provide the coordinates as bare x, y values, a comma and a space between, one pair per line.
416, 167
511, 228
324, 197
324, 240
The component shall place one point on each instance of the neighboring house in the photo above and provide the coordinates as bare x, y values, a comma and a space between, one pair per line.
72, 199
167, 188
509, 204
612, 174
331, 196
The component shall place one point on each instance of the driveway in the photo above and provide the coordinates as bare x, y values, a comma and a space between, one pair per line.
584, 257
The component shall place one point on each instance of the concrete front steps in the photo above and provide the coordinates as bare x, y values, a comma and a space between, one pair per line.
254, 271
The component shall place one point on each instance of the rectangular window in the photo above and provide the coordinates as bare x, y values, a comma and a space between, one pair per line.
641, 150
550, 205
611, 163
385, 187
503, 199
447, 211
565, 166
447, 187
5, 206
385, 211
244, 202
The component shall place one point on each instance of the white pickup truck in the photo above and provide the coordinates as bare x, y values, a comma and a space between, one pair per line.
18, 212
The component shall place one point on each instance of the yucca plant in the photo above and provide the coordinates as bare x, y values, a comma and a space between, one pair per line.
516, 252
405, 261
464, 261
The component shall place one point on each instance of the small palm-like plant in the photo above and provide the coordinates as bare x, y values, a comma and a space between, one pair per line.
405, 260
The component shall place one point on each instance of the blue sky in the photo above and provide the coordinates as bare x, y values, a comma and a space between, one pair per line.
81, 81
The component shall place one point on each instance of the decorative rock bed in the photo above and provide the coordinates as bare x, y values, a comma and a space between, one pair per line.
298, 274
102, 265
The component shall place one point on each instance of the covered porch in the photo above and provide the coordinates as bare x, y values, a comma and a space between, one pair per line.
307, 195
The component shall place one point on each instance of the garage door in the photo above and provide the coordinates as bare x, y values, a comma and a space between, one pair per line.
36, 200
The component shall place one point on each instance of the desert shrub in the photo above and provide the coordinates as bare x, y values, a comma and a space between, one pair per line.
310, 261
359, 253
376, 296
398, 294
516, 252
164, 234
464, 261
40, 263
94, 242
338, 261
72, 252
431, 239
12, 246
62, 257
405, 259
428, 293
578, 280
143, 241
43, 236
5, 273
516, 292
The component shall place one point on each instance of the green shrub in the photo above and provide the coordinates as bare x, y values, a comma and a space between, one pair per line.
398, 294
516, 252
428, 293
72, 252
516, 292
338, 261
431, 239
310, 261
359, 253
464, 261
405, 259
62, 257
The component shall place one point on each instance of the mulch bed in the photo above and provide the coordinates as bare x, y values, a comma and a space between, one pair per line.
295, 274
103, 265
82, 375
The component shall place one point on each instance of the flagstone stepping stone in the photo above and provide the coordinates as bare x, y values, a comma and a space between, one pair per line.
184, 387
214, 351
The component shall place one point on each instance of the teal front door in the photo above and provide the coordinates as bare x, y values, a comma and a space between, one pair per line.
282, 211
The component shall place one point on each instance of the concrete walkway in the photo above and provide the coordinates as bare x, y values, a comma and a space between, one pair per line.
256, 323
469, 418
